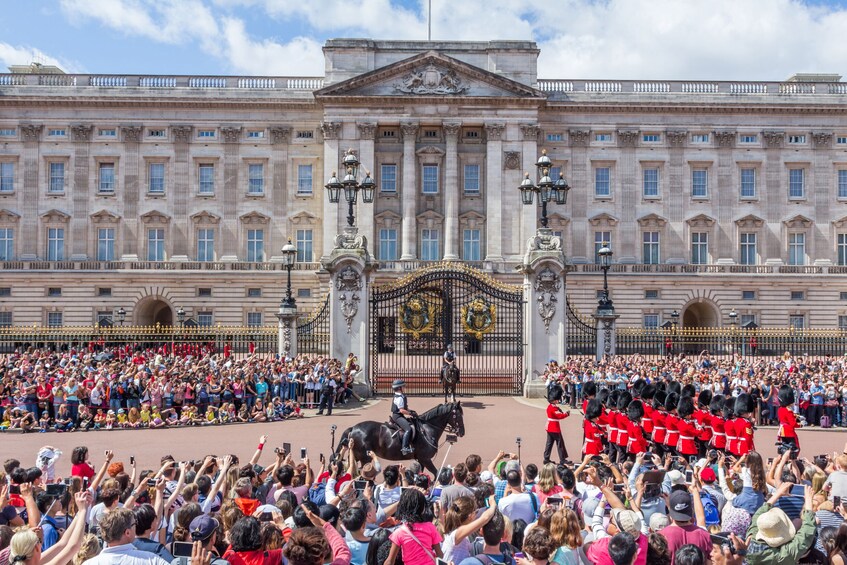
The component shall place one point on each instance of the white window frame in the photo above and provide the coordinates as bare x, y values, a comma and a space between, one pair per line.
205, 244
7, 243
650, 321
7, 176
55, 320
430, 182
107, 188
650, 187
388, 178
430, 248
56, 243
745, 170
388, 244
472, 244
599, 182
156, 250
601, 238
841, 183
466, 178
748, 243
304, 241
699, 247
254, 319
255, 179
697, 185
205, 187
797, 321
153, 185
651, 247
797, 248
796, 186
55, 183
305, 183
106, 244
699, 138
256, 245
748, 138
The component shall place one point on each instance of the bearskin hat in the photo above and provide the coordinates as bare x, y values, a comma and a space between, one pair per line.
671, 401
648, 392
638, 388
635, 410
744, 404
659, 400
786, 396
688, 390
603, 396
716, 407
624, 398
674, 387
685, 408
555, 392
589, 389
663, 386
612, 401
594, 409
728, 407
704, 398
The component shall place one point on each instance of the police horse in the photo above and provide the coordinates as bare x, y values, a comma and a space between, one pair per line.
386, 439
449, 380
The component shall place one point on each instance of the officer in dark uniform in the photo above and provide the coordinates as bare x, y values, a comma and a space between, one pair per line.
400, 414
449, 359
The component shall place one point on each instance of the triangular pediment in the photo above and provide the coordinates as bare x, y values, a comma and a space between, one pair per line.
798, 221
104, 217
701, 221
430, 75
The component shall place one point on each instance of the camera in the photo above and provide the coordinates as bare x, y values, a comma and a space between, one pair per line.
782, 447
452, 438
518, 440
333, 427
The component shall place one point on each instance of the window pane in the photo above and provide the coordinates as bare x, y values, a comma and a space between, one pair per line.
254, 319
54, 319
471, 245
650, 245
156, 244
429, 245
304, 179
255, 245
842, 183
749, 254
796, 249
106, 244
699, 248
7, 244
748, 183
107, 177
472, 179
56, 244
601, 239
699, 183
796, 188
387, 244
57, 177
256, 173
842, 248
157, 178
651, 182
388, 178
207, 179
7, 177
430, 179
602, 181
304, 246
206, 244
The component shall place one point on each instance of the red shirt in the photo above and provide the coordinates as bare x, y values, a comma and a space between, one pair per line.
703, 418
635, 443
554, 414
612, 422
647, 420
659, 419
687, 433
671, 435
787, 423
718, 432
731, 436
623, 429
82, 470
592, 444
744, 429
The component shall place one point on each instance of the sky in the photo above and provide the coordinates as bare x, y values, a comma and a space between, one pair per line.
579, 39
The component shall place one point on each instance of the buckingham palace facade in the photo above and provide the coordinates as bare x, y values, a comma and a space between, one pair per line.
152, 193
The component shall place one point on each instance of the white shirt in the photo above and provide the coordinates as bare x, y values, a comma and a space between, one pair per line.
517, 507
398, 400
125, 555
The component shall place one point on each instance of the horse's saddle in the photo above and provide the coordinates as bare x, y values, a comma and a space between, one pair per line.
395, 429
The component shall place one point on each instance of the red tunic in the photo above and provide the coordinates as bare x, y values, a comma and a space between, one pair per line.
659, 419
671, 435
554, 414
584, 405
592, 444
647, 420
744, 429
635, 443
718, 432
687, 433
731, 436
623, 429
703, 419
613, 429
788, 424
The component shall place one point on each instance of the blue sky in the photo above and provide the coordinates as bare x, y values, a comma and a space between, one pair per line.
647, 39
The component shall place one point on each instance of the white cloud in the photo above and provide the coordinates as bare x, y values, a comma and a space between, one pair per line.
300, 56
24, 55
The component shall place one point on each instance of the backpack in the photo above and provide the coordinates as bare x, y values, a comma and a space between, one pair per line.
710, 509
317, 494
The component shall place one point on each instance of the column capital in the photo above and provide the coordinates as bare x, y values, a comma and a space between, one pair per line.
331, 130
579, 137
677, 138
530, 132
822, 139
82, 132
494, 131
280, 134
31, 132
131, 133
367, 130
725, 138
182, 133
773, 139
627, 137
409, 130
451, 129
231, 134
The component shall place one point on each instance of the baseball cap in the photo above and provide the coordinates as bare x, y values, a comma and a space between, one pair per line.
676, 477
202, 527
680, 506
707, 475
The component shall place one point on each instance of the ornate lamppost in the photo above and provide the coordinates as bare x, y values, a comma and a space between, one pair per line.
351, 186
675, 320
605, 305
547, 189
121, 313
733, 326
287, 312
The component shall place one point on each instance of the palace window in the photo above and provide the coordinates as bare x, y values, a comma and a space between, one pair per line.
206, 244
797, 249
388, 178
106, 244
842, 248
601, 239
699, 248
651, 138
304, 179
5, 319
602, 182
471, 245
55, 244
7, 177
651, 321
797, 321
57, 177
748, 295
650, 247
429, 245
471, 179
156, 178
206, 178
796, 183
430, 179
304, 246
7, 244
603, 137
749, 138
650, 183
387, 244
748, 183
700, 138
254, 319
842, 183
54, 319
749, 254
107, 177
156, 244
204, 319
256, 178
699, 183
107, 132
255, 246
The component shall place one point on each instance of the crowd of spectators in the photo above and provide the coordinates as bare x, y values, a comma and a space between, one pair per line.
44, 390
820, 384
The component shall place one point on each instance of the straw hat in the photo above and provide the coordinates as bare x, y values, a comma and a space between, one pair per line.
775, 528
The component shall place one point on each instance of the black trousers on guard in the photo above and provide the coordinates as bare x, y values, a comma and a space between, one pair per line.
555, 437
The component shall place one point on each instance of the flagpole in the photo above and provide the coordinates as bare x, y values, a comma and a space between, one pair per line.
429, 23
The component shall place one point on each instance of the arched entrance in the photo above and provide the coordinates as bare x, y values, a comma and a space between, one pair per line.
700, 315
152, 311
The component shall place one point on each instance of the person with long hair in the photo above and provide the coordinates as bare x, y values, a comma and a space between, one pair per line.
565, 531
417, 537
547, 484
315, 545
25, 545
838, 551
460, 521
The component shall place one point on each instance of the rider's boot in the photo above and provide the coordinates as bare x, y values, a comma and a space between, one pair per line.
407, 437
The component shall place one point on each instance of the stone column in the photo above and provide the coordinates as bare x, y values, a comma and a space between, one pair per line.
579, 200
494, 192
410, 192
726, 193
131, 195
287, 332
30, 223
331, 132
529, 149
606, 332
233, 192
675, 247
79, 224
275, 237
350, 269
546, 323
629, 195
181, 228
365, 212
824, 213
451, 192
771, 198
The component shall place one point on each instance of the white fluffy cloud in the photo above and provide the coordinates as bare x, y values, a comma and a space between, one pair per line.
24, 55
647, 39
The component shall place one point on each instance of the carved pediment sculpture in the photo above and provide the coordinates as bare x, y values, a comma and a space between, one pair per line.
348, 283
431, 79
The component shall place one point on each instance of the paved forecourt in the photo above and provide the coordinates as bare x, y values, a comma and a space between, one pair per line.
491, 424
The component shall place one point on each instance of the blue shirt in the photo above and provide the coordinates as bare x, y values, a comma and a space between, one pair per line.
817, 390
358, 550
51, 533
261, 388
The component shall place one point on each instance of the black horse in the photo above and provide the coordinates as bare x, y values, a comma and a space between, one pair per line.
449, 381
385, 440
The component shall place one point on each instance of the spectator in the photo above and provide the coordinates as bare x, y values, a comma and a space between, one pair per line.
623, 549
774, 537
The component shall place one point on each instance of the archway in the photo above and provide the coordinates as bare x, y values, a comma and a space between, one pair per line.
152, 311
700, 315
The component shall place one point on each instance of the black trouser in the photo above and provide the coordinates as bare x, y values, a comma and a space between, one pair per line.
555, 437
815, 413
326, 402
406, 426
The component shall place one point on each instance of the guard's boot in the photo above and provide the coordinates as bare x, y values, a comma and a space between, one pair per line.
407, 436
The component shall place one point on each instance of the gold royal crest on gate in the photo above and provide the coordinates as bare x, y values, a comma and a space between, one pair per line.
479, 318
418, 317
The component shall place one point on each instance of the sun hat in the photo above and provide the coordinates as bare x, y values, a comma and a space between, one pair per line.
658, 521
775, 528
369, 472
627, 521
676, 477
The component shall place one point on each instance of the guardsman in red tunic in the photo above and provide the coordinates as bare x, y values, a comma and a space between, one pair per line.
744, 407
729, 426
671, 433
787, 418
635, 433
686, 445
593, 442
717, 422
589, 391
554, 430
647, 394
624, 400
702, 418
659, 417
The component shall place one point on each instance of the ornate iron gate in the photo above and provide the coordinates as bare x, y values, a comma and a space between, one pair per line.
414, 318
581, 335
313, 332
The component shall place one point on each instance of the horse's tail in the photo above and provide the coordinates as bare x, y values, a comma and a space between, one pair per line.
342, 441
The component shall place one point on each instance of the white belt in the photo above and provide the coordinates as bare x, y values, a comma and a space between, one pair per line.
718, 434
686, 438
554, 419
590, 440
659, 428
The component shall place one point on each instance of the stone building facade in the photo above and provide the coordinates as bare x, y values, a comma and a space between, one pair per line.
151, 193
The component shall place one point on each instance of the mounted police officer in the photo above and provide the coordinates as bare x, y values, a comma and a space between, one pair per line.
401, 415
449, 359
